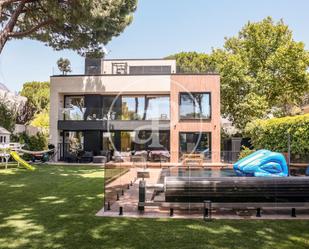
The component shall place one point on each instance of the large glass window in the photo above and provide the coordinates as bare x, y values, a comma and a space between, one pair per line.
111, 107
93, 107
151, 140
96, 107
141, 140
195, 106
133, 107
108, 141
73, 142
74, 108
157, 108
126, 140
195, 142
145, 107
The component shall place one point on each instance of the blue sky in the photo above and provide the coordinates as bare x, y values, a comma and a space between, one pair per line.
160, 28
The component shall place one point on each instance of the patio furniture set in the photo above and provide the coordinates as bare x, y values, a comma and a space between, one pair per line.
130, 156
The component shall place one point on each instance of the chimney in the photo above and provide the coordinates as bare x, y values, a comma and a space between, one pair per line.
93, 66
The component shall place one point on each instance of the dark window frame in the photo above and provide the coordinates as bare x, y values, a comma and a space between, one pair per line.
63, 138
145, 96
193, 132
64, 101
120, 97
150, 69
195, 119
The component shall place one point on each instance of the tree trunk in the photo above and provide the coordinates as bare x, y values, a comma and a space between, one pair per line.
5, 33
3, 39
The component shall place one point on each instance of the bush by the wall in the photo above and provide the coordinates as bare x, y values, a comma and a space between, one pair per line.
272, 134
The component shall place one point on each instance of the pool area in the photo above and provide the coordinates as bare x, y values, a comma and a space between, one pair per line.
155, 191
197, 172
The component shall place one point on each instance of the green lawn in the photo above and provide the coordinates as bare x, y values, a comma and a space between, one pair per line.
54, 207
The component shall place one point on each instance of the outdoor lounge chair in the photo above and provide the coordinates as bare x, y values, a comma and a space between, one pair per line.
143, 154
122, 156
87, 157
100, 159
106, 153
159, 156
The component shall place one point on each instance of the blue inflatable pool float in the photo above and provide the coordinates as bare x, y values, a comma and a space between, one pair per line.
262, 163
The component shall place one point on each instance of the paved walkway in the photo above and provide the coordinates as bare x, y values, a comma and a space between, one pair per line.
129, 199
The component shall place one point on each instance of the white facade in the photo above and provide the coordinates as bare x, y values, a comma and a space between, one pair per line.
111, 83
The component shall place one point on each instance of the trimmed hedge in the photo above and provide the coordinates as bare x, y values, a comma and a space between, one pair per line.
272, 134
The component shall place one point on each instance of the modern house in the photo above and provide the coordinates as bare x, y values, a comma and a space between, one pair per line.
130, 107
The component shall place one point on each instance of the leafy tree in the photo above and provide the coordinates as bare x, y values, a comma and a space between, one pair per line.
64, 65
80, 25
262, 69
7, 115
193, 62
37, 94
41, 120
37, 142
25, 114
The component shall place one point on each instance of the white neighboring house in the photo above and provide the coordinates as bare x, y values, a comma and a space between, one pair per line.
4, 136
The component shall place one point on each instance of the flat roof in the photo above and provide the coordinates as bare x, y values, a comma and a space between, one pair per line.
87, 75
141, 59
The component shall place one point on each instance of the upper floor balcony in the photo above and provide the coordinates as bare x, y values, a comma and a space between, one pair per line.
108, 107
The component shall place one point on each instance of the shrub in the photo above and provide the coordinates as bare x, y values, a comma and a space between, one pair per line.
33, 143
7, 114
245, 151
272, 134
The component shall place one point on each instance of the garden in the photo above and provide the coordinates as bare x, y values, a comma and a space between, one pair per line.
55, 207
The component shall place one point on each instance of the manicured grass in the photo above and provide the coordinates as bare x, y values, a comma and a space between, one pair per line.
54, 207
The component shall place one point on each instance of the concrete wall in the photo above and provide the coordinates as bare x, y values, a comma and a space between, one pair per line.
195, 83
